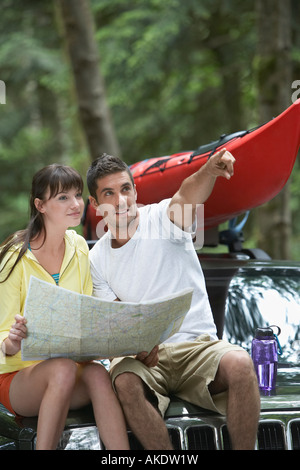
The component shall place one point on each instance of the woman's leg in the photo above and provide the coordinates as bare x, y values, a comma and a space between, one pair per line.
95, 382
45, 390
50, 388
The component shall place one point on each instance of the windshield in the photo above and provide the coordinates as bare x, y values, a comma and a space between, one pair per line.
258, 298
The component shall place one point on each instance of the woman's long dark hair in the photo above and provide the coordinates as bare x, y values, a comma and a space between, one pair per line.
56, 178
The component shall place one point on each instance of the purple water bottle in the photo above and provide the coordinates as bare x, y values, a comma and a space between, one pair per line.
265, 357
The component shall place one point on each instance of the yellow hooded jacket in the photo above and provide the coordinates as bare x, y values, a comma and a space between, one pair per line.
74, 275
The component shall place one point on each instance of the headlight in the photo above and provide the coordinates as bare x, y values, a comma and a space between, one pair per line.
85, 438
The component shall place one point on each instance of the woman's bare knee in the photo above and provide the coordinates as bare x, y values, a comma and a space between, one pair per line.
96, 376
61, 372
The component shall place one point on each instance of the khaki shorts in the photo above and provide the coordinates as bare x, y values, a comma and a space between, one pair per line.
184, 369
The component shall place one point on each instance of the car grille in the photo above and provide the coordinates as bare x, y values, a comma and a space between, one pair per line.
273, 434
295, 434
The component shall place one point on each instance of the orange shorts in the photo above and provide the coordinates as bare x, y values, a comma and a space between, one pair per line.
5, 381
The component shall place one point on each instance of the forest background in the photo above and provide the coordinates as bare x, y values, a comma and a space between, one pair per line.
140, 79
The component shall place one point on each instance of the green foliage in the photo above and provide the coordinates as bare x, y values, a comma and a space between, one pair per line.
178, 74
168, 58
36, 121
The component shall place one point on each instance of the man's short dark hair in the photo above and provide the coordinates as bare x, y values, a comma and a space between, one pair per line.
104, 165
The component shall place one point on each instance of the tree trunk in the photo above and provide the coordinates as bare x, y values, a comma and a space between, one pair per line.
93, 108
274, 96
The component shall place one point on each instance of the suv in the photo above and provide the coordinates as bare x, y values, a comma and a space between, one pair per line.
246, 294
247, 290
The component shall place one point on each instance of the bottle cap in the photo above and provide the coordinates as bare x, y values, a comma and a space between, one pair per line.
263, 332
267, 331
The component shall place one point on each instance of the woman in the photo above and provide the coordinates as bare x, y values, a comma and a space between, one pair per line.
47, 250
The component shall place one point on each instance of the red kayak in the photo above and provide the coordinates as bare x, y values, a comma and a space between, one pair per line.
264, 157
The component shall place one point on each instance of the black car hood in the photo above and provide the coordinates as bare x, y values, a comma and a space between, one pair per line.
287, 393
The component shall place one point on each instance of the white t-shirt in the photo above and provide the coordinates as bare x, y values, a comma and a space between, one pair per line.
158, 260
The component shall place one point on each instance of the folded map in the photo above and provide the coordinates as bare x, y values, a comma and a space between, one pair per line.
62, 323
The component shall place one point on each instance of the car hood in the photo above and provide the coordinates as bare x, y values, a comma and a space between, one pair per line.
287, 393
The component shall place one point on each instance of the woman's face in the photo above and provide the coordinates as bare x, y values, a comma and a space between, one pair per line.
63, 210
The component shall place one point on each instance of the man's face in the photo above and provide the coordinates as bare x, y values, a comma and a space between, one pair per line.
116, 200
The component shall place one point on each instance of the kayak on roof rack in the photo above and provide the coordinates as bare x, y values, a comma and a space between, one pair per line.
265, 157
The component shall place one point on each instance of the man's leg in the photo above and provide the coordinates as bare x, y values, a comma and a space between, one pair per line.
236, 375
143, 419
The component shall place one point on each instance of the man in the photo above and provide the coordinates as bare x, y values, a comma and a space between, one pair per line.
147, 253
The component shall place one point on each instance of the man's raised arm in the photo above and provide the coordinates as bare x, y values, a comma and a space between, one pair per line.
197, 188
